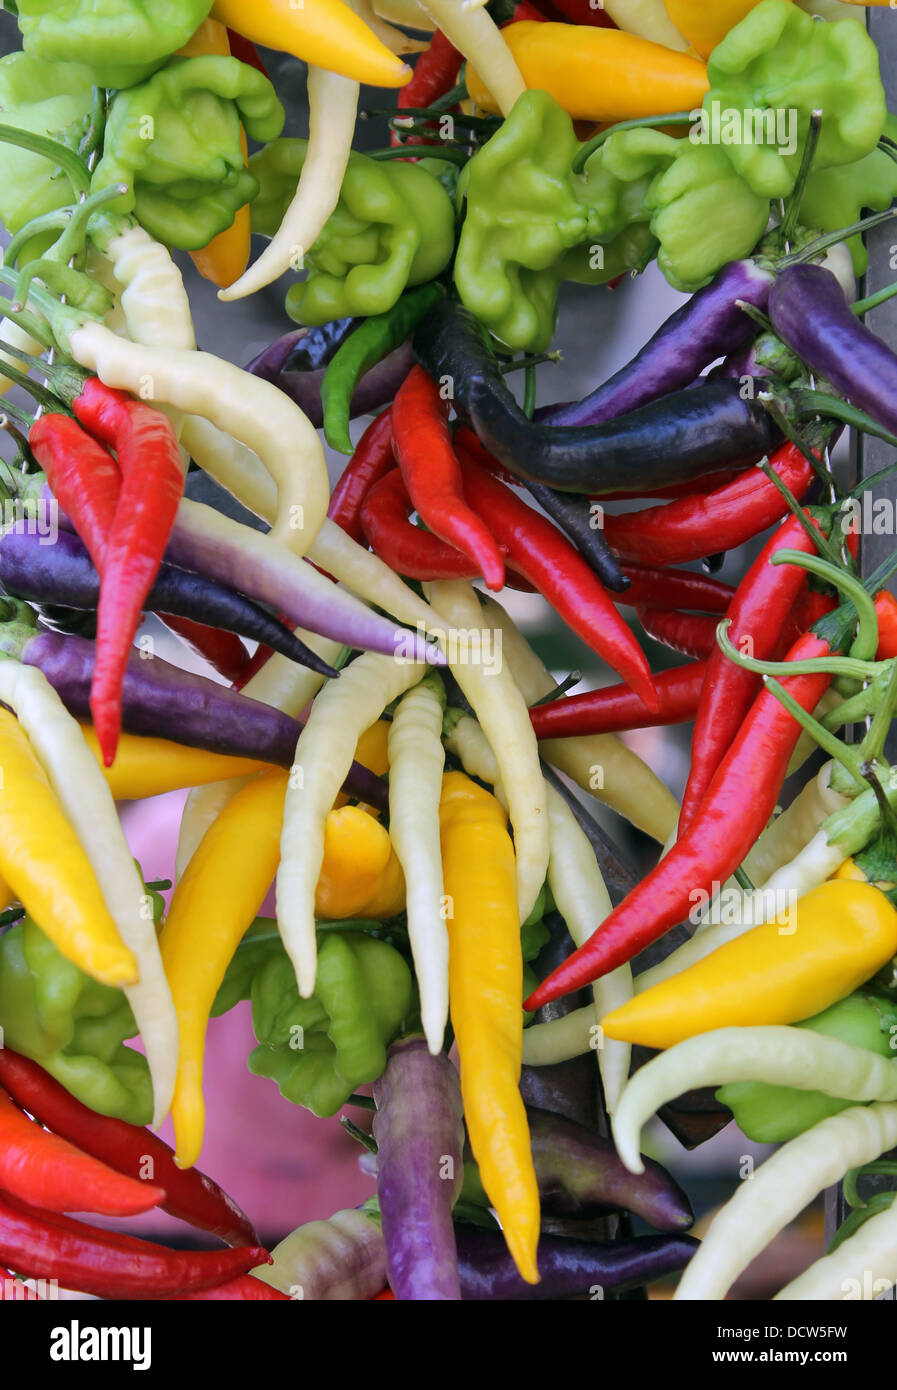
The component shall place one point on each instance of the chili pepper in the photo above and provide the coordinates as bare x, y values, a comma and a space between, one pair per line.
363, 992
691, 634
548, 560
647, 18
486, 979
110, 1265
432, 474
863, 1262
569, 1268
693, 527
40, 1168
435, 73
576, 516
616, 708
758, 614
774, 1114
657, 441
767, 61
246, 1288
408, 549
780, 1189
146, 767
671, 589
810, 313
826, 945
246, 52
342, 1258
704, 30
374, 340
583, 12
581, 67
83, 476
360, 873
189, 1195
420, 1139
325, 33
303, 384
886, 612
475, 35
790, 833
223, 650
417, 760
723, 830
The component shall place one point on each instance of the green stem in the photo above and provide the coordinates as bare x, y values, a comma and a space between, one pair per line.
529, 392
814, 403
789, 221
842, 752
589, 148
411, 117
773, 408
73, 238
865, 644
62, 319
362, 1102
822, 244
743, 881
50, 403
93, 136
881, 1168
522, 363
874, 738
11, 915
813, 666
762, 320
819, 539
365, 1140
857, 707
851, 1224
49, 222
454, 154
872, 301
74, 168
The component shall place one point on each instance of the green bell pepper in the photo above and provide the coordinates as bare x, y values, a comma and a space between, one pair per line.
72, 1026
320, 1050
773, 1114
704, 215
838, 197
393, 227
176, 142
121, 41
777, 66
46, 99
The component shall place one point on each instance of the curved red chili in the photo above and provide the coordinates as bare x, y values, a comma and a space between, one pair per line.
690, 634
83, 477
615, 708
371, 461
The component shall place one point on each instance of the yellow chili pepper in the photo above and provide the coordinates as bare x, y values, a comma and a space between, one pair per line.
323, 32
821, 949
360, 875
852, 873
150, 766
485, 985
216, 899
46, 868
704, 25
599, 74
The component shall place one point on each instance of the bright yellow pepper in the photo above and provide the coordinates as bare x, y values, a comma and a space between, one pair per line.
360, 875
325, 33
703, 24
599, 74
485, 986
821, 949
216, 899
45, 867
150, 766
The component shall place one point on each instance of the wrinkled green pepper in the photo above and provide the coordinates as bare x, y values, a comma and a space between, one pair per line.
72, 1026
122, 41
773, 1114
781, 61
50, 99
704, 215
393, 227
836, 198
176, 142
320, 1050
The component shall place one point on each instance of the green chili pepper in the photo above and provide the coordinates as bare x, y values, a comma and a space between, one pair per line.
392, 227
72, 1026
772, 1114
776, 67
175, 140
320, 1050
837, 197
363, 349
122, 41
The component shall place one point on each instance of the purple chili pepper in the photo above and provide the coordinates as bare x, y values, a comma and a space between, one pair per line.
375, 389
420, 1168
568, 1268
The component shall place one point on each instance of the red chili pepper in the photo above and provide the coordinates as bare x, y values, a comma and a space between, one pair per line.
247, 52
466, 439
41, 1168
83, 477
738, 804
189, 1194
690, 634
259, 658
45, 1245
13, 1289
759, 611
406, 548
245, 1288
667, 588
221, 649
432, 474
616, 708
371, 461
542, 553
886, 608
584, 12
152, 486
435, 73
697, 487
694, 527
386, 1296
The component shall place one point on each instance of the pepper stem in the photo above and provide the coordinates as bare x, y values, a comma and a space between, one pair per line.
822, 244
74, 168
589, 148
865, 643
819, 539
792, 211
40, 393
841, 752
872, 301
874, 738
813, 666
814, 403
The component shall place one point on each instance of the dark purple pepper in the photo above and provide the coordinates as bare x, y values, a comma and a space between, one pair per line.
375, 389
568, 1268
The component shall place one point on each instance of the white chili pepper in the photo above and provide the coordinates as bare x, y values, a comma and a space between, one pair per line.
475, 34
861, 1268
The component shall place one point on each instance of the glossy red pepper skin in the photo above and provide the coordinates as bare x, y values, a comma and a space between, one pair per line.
583, 12
540, 552
244, 1289
246, 52
189, 1194
406, 548
689, 634
151, 488
759, 611
650, 587
371, 461
886, 609
435, 73
221, 649
432, 475
692, 527
736, 808
44, 1245
615, 708
83, 477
